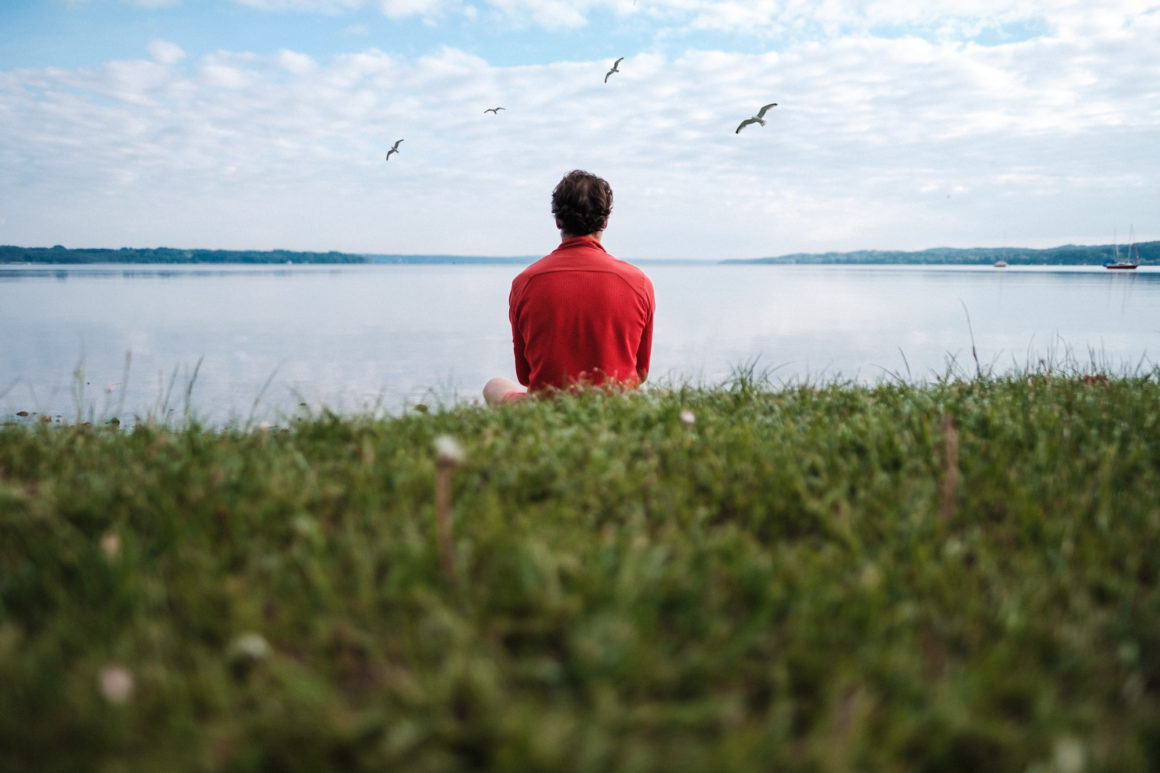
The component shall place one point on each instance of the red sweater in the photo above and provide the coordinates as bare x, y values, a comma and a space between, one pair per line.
581, 315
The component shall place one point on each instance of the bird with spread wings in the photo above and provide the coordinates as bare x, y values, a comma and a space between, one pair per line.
759, 118
394, 149
615, 68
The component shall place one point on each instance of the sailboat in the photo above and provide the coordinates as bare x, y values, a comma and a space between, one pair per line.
1133, 255
1002, 261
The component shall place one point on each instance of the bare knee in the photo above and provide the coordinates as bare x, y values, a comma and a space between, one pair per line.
497, 389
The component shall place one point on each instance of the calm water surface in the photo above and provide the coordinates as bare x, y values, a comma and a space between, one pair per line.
262, 343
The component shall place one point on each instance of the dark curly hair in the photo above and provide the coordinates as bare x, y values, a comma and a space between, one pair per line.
582, 203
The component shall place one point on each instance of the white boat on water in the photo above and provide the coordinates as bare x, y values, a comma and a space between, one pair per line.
1133, 256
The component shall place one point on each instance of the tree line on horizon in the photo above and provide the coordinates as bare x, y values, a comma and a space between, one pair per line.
60, 254
1066, 255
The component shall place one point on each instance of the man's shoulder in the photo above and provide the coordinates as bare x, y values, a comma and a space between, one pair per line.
630, 272
584, 259
630, 269
532, 269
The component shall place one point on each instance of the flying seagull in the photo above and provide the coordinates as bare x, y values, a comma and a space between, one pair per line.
394, 149
759, 118
493, 110
615, 68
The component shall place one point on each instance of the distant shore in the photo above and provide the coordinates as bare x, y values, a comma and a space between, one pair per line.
1147, 253
59, 254
1066, 255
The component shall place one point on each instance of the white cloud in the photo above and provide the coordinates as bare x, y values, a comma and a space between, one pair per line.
165, 52
396, 9
293, 62
217, 72
134, 82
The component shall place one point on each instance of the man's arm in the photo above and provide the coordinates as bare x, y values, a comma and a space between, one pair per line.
523, 370
644, 350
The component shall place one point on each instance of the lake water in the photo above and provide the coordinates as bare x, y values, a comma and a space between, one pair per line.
262, 343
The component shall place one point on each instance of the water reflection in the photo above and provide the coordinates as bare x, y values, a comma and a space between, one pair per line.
231, 343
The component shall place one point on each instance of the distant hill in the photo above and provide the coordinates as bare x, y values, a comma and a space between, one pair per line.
1067, 255
59, 254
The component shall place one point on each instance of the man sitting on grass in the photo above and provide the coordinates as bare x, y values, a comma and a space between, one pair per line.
579, 316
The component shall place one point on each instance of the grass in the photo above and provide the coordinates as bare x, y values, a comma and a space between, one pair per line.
957, 576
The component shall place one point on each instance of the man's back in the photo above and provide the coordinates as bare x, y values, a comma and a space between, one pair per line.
580, 315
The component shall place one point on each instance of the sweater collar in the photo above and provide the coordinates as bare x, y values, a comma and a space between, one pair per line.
581, 241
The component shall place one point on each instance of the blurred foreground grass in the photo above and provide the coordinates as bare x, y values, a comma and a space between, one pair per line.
952, 577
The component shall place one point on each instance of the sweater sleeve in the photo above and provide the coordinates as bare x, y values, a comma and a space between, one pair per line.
523, 370
644, 350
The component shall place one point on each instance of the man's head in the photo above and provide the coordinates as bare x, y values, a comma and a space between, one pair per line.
582, 203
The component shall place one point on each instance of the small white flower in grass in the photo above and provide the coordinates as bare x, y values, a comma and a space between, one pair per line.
1068, 756
687, 417
111, 545
249, 647
116, 683
448, 451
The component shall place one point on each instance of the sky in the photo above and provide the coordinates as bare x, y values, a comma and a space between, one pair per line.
264, 124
